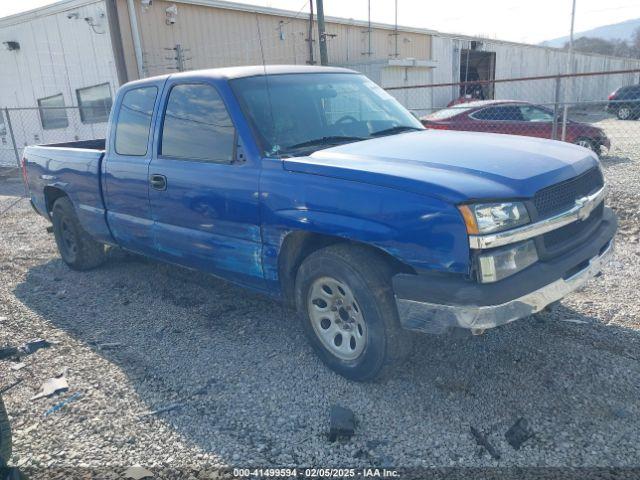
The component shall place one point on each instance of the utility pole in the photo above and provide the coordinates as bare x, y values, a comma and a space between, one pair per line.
322, 36
368, 30
569, 70
369, 25
310, 39
395, 31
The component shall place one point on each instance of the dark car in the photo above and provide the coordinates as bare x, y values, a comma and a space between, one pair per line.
514, 118
625, 102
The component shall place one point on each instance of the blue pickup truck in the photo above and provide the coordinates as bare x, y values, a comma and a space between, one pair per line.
315, 186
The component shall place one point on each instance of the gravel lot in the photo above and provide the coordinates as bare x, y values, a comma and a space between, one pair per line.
137, 336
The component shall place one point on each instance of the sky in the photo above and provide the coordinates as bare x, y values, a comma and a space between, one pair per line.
516, 20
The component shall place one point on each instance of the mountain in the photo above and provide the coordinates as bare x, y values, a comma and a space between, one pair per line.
622, 31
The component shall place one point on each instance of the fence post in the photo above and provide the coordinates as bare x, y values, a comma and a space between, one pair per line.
12, 136
556, 107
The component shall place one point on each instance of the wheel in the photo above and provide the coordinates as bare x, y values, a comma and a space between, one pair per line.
587, 143
624, 113
76, 247
348, 312
5, 436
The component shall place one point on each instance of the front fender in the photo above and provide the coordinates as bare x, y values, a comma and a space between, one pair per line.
422, 232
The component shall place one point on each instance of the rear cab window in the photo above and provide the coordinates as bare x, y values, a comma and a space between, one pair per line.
134, 121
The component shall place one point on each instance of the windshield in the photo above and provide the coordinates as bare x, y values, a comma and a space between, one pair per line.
306, 112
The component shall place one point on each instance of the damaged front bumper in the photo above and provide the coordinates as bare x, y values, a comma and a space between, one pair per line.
431, 304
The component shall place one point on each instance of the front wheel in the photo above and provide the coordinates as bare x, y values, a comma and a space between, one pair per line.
348, 312
76, 247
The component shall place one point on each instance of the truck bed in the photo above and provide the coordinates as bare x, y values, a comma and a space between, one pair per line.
73, 168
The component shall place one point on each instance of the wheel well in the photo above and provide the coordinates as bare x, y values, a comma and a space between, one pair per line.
51, 194
299, 245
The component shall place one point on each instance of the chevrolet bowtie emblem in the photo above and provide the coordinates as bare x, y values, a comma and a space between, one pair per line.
585, 207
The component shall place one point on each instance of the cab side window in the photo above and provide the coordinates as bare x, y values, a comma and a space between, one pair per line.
134, 121
197, 125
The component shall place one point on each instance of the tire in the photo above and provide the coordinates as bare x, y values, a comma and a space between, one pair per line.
623, 113
360, 312
76, 247
5, 436
588, 143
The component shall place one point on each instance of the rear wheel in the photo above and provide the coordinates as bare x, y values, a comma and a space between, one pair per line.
76, 247
624, 113
348, 312
587, 143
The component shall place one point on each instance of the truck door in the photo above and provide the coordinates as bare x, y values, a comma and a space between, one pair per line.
125, 169
204, 199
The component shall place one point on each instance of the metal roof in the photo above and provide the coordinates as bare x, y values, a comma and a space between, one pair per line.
44, 11
64, 5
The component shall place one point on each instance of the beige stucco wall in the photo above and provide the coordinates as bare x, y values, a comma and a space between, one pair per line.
217, 37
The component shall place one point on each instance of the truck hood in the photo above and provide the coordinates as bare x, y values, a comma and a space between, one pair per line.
453, 166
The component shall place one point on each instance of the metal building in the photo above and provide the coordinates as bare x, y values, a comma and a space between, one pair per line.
77, 52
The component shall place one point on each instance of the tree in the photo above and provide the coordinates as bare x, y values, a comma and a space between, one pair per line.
618, 48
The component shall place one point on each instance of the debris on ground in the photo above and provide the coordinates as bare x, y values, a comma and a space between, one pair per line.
67, 401
342, 423
168, 408
518, 433
573, 320
108, 346
8, 352
9, 387
18, 366
27, 348
137, 472
32, 346
52, 386
483, 441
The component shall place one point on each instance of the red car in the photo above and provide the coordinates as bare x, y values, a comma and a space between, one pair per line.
514, 118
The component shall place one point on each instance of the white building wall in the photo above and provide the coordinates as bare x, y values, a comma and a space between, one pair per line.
57, 55
519, 60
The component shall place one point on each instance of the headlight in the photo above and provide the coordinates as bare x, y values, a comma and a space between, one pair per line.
504, 262
493, 217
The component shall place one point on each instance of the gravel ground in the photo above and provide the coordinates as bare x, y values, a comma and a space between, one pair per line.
137, 336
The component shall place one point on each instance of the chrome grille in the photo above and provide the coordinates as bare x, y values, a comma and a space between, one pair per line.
563, 195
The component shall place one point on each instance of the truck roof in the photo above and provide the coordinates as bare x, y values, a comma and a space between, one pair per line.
229, 73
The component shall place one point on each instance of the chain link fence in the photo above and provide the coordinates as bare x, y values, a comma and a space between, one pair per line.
20, 127
597, 110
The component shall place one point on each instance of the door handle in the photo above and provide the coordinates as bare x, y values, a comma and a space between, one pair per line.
158, 182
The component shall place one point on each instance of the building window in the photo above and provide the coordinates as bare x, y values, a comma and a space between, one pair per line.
134, 121
94, 103
197, 125
52, 112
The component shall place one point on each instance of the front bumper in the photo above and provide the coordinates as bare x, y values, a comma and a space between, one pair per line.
432, 304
